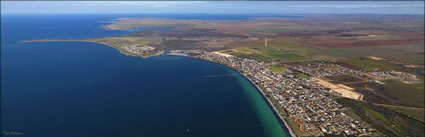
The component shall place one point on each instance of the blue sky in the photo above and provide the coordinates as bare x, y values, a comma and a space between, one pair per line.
212, 7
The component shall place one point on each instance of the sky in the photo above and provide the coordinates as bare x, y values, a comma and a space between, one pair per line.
212, 7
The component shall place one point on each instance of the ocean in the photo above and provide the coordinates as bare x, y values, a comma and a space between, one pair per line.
80, 89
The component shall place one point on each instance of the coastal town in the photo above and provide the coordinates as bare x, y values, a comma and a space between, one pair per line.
303, 104
143, 51
138, 49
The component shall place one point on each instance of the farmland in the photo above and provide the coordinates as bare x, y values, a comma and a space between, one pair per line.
393, 52
290, 39
371, 65
270, 53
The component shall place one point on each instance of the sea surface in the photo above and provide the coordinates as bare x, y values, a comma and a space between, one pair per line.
80, 89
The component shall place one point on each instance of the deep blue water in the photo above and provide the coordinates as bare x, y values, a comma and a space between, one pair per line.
55, 89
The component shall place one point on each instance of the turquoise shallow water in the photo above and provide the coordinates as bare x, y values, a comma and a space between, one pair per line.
56, 89
270, 123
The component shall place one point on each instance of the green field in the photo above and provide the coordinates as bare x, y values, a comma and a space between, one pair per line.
404, 53
301, 75
412, 48
387, 121
275, 51
259, 57
391, 52
343, 79
288, 46
268, 56
371, 65
393, 92
276, 68
407, 94
417, 113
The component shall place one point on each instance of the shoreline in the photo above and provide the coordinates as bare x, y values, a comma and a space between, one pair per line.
269, 102
276, 112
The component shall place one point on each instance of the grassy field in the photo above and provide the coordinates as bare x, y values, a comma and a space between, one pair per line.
301, 75
403, 53
283, 51
407, 94
411, 48
371, 65
343, 79
259, 57
417, 113
289, 45
393, 92
387, 121
276, 68
270, 55
390, 52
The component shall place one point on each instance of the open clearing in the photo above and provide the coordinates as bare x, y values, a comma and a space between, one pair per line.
393, 93
344, 79
343, 90
417, 113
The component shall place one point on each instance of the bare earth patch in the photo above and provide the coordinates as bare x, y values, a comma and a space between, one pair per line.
343, 90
